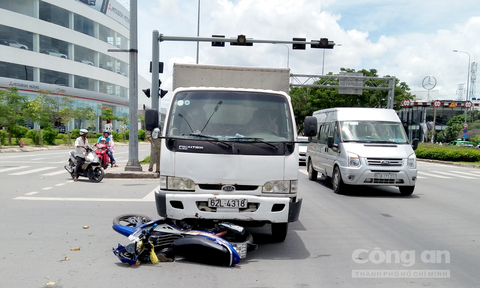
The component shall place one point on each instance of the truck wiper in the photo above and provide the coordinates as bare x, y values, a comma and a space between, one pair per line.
213, 139
253, 140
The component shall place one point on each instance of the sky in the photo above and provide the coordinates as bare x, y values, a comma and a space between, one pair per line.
408, 39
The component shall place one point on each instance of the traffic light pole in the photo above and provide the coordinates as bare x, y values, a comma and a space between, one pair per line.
155, 72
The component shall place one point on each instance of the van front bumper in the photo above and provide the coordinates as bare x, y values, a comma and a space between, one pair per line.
352, 176
190, 205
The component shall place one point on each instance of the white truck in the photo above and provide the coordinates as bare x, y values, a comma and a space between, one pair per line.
229, 148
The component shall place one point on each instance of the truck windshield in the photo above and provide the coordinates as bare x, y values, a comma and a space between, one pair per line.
373, 131
230, 116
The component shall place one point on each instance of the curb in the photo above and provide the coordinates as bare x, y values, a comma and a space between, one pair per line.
119, 172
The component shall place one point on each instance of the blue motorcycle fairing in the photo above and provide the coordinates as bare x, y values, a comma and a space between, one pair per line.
118, 252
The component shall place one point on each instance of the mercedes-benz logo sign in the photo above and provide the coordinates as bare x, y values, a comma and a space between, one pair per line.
429, 82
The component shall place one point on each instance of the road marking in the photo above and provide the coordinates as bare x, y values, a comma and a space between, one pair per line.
60, 184
32, 171
37, 159
31, 193
450, 174
151, 196
55, 173
303, 171
81, 199
433, 175
13, 168
47, 188
464, 173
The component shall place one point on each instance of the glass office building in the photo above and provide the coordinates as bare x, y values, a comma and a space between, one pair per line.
62, 46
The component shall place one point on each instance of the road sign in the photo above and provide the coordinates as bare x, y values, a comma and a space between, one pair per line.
465, 136
468, 104
465, 125
437, 103
465, 131
452, 105
406, 103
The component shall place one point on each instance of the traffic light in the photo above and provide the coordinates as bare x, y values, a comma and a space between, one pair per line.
160, 67
241, 41
323, 43
161, 92
299, 46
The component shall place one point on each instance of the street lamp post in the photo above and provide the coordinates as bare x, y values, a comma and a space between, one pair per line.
468, 81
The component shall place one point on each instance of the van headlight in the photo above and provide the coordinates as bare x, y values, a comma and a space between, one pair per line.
280, 186
176, 183
353, 160
412, 161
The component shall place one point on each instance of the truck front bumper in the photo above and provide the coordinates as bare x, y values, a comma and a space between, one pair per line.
187, 205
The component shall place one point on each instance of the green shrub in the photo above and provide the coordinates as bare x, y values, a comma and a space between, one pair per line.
117, 137
49, 135
142, 135
447, 153
32, 134
74, 134
125, 135
3, 137
97, 135
61, 136
18, 132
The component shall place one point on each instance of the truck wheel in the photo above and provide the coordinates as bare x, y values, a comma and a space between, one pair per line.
337, 182
312, 174
406, 190
279, 231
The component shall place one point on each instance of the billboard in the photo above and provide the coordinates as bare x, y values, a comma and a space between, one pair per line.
111, 8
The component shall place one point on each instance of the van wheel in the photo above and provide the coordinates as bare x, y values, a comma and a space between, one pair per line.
279, 231
312, 174
337, 182
406, 190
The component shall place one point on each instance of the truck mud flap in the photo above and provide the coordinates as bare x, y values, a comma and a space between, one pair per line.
294, 210
161, 203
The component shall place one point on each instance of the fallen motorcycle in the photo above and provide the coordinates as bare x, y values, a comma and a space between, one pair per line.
101, 152
90, 168
222, 243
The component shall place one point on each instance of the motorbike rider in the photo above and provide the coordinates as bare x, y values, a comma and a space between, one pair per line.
81, 144
105, 135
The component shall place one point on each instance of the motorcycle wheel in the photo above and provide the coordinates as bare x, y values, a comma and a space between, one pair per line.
72, 168
96, 174
131, 220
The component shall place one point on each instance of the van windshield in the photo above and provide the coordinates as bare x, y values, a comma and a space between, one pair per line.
230, 116
373, 131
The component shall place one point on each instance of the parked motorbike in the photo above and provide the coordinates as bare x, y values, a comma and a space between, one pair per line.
91, 167
101, 152
221, 243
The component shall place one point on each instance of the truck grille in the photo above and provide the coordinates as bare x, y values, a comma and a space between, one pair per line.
385, 162
219, 187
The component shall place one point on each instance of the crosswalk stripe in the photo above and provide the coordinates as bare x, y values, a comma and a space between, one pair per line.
464, 173
450, 174
433, 175
55, 173
13, 168
32, 171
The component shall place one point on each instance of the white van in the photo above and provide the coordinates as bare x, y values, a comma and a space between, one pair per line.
360, 146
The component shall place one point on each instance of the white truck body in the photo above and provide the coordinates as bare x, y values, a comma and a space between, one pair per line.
368, 146
229, 152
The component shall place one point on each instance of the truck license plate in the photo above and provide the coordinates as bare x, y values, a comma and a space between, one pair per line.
227, 203
385, 175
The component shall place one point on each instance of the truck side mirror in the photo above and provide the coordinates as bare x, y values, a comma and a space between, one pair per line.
415, 144
330, 142
310, 126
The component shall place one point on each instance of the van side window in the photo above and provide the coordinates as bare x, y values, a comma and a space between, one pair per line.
323, 135
333, 132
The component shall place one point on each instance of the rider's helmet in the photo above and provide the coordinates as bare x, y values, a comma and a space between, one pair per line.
83, 131
106, 131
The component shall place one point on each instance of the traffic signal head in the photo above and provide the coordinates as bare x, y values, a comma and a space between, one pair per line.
147, 92
218, 44
241, 41
299, 46
162, 93
323, 43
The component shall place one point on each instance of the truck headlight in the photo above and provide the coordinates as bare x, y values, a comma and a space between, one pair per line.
280, 186
176, 183
412, 161
353, 160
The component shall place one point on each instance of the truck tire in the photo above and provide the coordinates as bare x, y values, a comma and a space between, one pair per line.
279, 231
406, 190
312, 174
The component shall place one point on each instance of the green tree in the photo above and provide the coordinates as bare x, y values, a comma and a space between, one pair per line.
11, 109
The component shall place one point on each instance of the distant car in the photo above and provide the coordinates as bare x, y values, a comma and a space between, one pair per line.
89, 2
54, 52
302, 149
85, 61
462, 143
13, 43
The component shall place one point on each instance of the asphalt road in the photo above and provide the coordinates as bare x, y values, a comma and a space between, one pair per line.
370, 237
